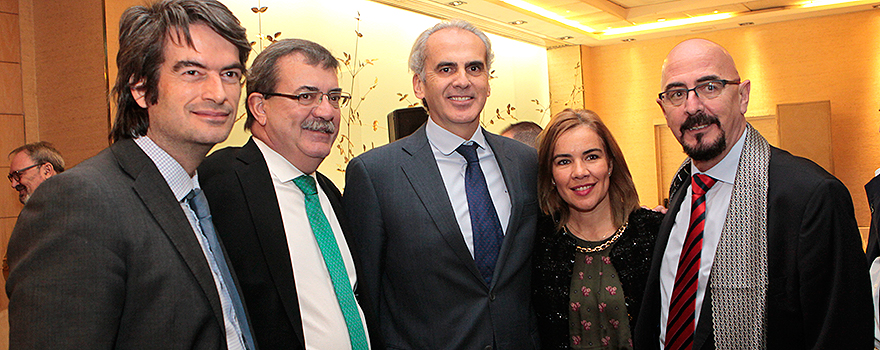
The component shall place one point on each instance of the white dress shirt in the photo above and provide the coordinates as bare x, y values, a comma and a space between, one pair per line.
452, 169
717, 204
323, 323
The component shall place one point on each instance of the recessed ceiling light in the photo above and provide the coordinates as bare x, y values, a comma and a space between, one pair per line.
567, 37
817, 3
456, 3
661, 20
667, 24
548, 14
517, 22
628, 40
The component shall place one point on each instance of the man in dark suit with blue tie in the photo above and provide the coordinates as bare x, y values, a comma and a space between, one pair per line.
119, 252
446, 217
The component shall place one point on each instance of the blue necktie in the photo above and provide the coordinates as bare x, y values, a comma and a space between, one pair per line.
484, 220
333, 259
199, 204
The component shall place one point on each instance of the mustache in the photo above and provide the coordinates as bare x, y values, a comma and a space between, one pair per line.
222, 108
700, 118
20, 187
319, 125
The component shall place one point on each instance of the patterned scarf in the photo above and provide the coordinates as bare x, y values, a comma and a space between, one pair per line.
739, 289
739, 274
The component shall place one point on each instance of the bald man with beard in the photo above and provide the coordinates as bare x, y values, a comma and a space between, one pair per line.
773, 257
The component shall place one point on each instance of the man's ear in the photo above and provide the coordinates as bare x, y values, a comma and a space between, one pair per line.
418, 89
48, 171
256, 104
139, 92
745, 89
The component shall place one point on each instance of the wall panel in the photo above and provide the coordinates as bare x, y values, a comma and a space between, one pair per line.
9, 6
10, 88
10, 51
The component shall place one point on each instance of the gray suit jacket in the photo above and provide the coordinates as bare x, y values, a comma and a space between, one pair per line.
103, 257
418, 276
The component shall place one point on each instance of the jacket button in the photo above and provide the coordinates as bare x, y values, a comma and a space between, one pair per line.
491, 298
488, 347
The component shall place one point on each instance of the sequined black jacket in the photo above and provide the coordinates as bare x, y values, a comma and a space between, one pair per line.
553, 261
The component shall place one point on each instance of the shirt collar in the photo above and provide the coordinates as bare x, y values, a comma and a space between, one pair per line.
446, 142
279, 167
178, 180
725, 170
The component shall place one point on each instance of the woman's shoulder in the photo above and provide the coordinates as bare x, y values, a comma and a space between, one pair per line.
643, 216
645, 221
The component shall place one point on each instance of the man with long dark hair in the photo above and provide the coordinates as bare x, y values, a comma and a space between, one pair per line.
120, 252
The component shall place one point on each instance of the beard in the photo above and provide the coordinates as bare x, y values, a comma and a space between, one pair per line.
699, 152
23, 198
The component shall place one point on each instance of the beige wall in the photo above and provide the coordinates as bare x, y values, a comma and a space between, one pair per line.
834, 58
11, 117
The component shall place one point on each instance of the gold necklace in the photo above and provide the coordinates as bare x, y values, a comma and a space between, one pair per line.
602, 246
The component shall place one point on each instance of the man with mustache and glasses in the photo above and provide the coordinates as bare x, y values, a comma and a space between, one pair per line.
119, 252
759, 249
278, 214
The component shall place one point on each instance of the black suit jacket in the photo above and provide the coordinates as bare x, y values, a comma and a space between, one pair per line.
419, 277
239, 188
872, 188
103, 257
819, 294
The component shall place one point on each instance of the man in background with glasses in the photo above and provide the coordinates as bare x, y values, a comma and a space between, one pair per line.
32, 164
29, 166
759, 248
286, 243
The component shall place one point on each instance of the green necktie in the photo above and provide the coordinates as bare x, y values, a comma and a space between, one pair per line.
333, 260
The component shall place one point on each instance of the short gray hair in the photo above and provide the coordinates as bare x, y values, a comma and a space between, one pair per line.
42, 152
418, 54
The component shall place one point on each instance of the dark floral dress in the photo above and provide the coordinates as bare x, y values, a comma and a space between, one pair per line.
554, 265
597, 316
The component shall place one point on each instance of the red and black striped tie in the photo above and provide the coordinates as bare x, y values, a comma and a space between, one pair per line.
680, 325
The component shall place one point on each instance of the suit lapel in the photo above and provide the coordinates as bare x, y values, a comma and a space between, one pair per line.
511, 172
652, 304
335, 198
421, 170
262, 204
157, 197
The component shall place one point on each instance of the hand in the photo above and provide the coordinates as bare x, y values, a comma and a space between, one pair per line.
659, 208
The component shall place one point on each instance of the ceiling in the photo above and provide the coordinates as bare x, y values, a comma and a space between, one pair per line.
594, 22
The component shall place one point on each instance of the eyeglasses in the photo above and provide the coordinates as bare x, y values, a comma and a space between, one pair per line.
337, 99
707, 90
16, 175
